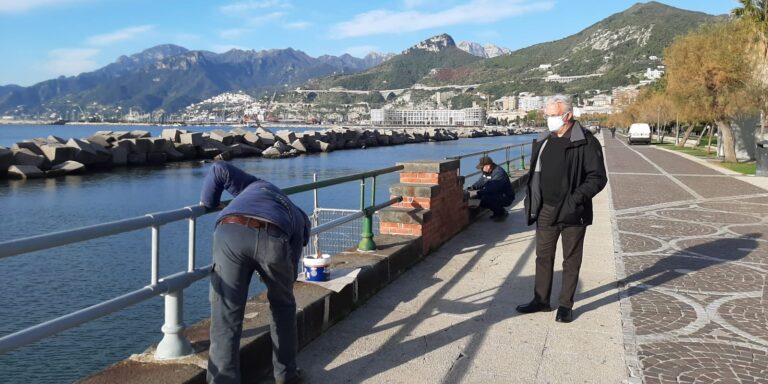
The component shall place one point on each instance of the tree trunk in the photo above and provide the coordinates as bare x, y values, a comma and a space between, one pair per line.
686, 136
709, 142
729, 142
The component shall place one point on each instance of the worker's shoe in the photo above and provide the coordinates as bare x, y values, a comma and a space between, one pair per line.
500, 216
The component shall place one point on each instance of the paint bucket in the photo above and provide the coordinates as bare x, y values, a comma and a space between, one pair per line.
317, 269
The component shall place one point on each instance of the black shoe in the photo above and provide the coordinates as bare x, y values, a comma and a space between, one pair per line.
564, 315
533, 306
297, 379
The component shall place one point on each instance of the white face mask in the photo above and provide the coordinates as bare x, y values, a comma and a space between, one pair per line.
554, 123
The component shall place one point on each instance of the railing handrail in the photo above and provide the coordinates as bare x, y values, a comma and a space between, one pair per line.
57, 239
486, 151
171, 283
340, 180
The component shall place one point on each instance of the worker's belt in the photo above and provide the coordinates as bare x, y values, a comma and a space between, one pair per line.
250, 222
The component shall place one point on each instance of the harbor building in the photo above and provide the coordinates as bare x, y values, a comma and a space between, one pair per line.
468, 117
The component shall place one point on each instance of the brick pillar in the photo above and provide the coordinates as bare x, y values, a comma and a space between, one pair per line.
433, 205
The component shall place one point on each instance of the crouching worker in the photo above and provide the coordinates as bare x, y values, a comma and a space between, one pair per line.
493, 188
260, 231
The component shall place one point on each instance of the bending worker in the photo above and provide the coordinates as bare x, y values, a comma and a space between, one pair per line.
262, 231
493, 188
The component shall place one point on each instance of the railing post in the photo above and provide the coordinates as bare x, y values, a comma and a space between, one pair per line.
174, 343
191, 245
366, 237
155, 255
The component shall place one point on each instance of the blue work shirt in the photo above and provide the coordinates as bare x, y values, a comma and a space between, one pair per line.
257, 198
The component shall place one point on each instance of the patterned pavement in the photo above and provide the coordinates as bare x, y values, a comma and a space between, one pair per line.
692, 252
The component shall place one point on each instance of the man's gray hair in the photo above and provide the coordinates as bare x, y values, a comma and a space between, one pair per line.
565, 100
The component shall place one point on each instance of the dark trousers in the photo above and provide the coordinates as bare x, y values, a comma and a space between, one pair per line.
238, 252
495, 202
546, 243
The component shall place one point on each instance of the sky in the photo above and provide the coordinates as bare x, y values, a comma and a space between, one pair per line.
44, 39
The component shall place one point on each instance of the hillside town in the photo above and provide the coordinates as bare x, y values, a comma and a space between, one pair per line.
242, 108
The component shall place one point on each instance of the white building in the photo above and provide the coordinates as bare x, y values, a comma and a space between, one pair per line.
425, 117
600, 100
527, 101
654, 73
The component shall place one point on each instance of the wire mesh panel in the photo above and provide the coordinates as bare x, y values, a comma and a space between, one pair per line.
339, 238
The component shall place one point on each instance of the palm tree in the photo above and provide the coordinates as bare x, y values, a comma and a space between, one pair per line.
755, 12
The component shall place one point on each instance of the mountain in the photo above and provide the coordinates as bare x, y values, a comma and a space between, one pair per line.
614, 48
170, 77
374, 58
403, 70
485, 51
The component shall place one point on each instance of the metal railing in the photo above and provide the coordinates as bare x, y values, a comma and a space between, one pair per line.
510, 158
174, 344
342, 237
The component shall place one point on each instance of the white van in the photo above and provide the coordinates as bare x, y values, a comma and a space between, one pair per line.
639, 133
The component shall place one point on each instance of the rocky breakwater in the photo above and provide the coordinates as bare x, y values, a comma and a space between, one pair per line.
54, 156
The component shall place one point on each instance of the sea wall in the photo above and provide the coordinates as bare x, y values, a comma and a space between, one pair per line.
104, 150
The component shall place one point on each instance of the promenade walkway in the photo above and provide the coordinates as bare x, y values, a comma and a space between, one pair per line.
673, 290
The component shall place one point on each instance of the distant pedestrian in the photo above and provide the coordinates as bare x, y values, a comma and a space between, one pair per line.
567, 171
261, 231
493, 188
613, 132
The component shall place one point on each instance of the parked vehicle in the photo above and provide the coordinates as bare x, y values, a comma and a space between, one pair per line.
639, 133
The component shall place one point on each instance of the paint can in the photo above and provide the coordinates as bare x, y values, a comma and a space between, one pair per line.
317, 269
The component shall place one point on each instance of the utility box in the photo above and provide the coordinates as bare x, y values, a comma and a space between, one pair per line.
761, 156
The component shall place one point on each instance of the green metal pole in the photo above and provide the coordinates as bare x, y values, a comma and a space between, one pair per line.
522, 156
366, 237
506, 153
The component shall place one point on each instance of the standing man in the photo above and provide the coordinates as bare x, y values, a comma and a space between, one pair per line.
493, 188
567, 171
613, 132
262, 231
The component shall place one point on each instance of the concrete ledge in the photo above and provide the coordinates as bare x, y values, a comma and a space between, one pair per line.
317, 309
415, 190
405, 215
430, 166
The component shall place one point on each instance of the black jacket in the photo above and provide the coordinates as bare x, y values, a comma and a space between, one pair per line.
495, 183
585, 178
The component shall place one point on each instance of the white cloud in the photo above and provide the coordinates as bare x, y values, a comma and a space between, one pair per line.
12, 6
233, 33
298, 25
119, 35
380, 22
237, 9
261, 20
361, 50
69, 62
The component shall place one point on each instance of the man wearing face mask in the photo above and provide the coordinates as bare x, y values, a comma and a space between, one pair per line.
567, 171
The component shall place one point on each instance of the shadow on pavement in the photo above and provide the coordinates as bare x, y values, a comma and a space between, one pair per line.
685, 262
488, 235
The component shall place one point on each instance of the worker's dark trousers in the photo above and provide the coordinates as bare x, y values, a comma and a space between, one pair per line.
546, 243
495, 202
238, 252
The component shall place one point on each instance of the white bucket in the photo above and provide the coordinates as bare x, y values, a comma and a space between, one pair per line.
317, 269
